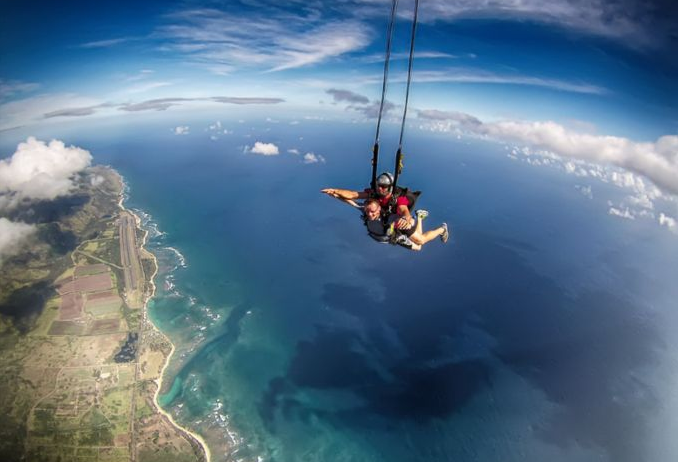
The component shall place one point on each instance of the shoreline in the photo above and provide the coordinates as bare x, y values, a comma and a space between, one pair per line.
147, 321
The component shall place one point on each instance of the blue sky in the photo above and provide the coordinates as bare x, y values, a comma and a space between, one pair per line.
590, 80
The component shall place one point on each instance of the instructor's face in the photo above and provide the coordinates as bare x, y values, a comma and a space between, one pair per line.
383, 190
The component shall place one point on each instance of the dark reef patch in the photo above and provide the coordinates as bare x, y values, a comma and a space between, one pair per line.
401, 359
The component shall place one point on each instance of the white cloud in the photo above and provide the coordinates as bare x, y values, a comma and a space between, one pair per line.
293, 151
12, 234
181, 130
312, 158
668, 221
585, 190
626, 213
656, 161
265, 149
40, 171
97, 180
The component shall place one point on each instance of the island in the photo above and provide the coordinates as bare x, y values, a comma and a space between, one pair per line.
81, 362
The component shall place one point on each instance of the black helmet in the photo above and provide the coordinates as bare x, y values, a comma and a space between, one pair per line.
385, 179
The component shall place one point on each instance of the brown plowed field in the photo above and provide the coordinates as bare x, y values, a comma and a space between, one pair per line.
66, 328
71, 306
105, 326
66, 287
94, 283
102, 295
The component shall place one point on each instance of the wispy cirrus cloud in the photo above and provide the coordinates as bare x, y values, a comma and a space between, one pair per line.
142, 74
219, 40
634, 24
245, 100
13, 87
145, 86
108, 42
379, 58
464, 75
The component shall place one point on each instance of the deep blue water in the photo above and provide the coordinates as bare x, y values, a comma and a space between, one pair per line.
544, 330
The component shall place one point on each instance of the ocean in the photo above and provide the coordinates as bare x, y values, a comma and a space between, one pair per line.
544, 330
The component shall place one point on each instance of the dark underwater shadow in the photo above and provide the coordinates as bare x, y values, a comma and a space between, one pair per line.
579, 350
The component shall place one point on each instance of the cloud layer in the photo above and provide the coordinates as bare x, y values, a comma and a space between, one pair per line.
657, 160
11, 237
635, 24
38, 170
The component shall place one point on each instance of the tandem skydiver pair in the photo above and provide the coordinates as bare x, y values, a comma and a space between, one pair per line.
387, 213
387, 208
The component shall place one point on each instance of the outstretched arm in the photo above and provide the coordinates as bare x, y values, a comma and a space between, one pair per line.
345, 195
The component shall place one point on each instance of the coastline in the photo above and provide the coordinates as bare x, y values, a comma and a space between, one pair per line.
146, 321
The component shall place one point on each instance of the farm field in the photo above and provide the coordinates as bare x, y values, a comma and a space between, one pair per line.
63, 394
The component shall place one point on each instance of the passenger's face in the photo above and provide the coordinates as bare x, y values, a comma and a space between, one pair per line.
372, 211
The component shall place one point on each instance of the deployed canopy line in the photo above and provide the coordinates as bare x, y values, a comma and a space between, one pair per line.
389, 38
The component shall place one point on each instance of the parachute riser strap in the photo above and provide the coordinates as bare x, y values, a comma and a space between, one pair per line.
399, 154
387, 60
375, 162
398, 167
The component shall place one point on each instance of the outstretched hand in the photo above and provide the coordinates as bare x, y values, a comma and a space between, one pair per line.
330, 192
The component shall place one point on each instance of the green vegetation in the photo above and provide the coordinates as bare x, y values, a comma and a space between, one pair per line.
133, 318
114, 455
49, 315
164, 455
51, 453
62, 397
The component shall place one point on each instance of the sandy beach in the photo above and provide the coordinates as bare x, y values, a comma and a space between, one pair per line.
147, 322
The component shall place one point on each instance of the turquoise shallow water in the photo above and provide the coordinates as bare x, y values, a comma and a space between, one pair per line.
542, 331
